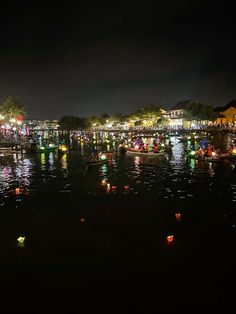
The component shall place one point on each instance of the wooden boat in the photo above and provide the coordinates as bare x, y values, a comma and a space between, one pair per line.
96, 162
210, 159
143, 153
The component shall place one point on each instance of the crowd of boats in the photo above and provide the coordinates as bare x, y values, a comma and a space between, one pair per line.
196, 147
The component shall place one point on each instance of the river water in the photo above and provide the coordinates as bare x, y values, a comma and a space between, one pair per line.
97, 238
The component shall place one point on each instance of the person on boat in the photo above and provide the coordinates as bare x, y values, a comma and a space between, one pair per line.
204, 142
229, 151
200, 152
155, 148
209, 151
95, 156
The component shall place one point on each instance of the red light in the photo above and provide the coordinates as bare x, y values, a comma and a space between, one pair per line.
178, 216
17, 191
126, 187
170, 238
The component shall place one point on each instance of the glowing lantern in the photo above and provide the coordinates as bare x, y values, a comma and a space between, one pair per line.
103, 182
170, 239
126, 187
108, 187
20, 118
178, 217
103, 157
82, 219
234, 151
21, 241
17, 191
213, 154
126, 146
162, 144
63, 147
113, 187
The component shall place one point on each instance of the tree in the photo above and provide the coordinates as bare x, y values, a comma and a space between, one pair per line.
199, 112
11, 108
72, 123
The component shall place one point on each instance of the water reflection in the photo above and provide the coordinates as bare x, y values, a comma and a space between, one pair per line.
43, 161
64, 163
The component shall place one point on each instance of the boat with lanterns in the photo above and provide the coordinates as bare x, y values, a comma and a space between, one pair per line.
44, 148
98, 160
201, 154
143, 152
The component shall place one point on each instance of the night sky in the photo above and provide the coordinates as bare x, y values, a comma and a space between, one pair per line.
111, 56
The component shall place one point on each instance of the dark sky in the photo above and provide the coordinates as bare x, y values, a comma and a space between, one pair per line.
85, 58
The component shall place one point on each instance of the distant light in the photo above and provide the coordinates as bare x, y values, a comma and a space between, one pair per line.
17, 191
82, 219
21, 241
178, 217
170, 239
103, 157
192, 153
136, 146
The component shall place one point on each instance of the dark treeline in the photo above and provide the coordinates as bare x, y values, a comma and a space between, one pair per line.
152, 114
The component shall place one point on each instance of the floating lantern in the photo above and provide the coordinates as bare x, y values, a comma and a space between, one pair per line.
17, 191
170, 239
178, 217
21, 241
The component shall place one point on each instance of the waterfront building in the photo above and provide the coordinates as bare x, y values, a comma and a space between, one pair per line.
226, 114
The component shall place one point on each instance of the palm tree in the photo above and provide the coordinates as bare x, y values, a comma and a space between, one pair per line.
11, 108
